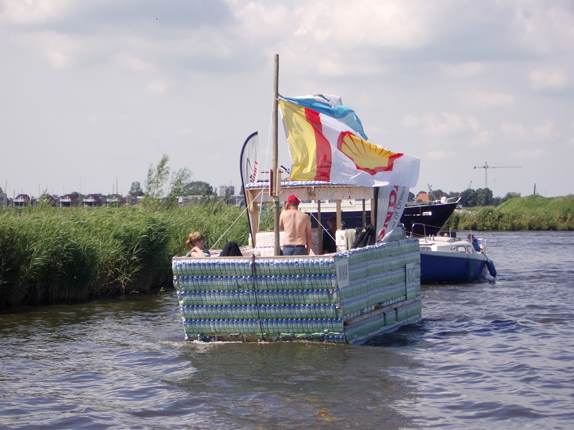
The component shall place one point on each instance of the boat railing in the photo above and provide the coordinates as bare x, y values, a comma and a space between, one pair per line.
413, 229
448, 200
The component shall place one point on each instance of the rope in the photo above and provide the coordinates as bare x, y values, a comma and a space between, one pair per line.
322, 226
232, 224
228, 228
260, 196
425, 225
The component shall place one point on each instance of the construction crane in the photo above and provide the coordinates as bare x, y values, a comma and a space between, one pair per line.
486, 166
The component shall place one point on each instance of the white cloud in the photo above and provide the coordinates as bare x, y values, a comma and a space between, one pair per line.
133, 63
60, 50
456, 68
158, 87
530, 153
543, 131
390, 24
439, 154
331, 38
492, 99
33, 11
514, 129
546, 130
58, 59
482, 138
442, 124
548, 78
257, 20
544, 27
463, 70
186, 132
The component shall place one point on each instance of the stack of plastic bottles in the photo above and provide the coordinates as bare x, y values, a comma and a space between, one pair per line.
270, 298
276, 297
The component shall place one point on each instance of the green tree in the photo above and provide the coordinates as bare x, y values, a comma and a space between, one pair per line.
437, 194
484, 197
179, 183
199, 188
509, 196
468, 198
157, 177
136, 189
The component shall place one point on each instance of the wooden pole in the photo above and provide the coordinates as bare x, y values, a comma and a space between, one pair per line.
338, 215
364, 214
255, 222
276, 178
319, 228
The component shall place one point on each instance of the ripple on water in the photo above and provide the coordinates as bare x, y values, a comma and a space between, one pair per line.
484, 356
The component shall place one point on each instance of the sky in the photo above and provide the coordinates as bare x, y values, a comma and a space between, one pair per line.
93, 92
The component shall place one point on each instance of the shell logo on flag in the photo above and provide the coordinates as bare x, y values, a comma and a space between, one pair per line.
367, 157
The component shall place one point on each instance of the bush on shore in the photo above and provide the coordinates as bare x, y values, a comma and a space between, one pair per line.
520, 213
62, 255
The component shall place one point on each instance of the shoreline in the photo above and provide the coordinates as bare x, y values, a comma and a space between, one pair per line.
76, 255
532, 213
50, 255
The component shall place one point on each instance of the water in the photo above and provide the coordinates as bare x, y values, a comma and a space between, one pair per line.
496, 356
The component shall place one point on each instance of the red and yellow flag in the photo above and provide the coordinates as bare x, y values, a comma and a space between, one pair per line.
323, 148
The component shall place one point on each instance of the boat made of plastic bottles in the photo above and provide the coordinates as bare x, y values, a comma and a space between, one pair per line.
349, 296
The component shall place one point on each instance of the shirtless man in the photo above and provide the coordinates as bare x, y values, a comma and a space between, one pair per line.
297, 227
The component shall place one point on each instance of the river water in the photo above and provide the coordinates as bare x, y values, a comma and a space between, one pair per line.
484, 356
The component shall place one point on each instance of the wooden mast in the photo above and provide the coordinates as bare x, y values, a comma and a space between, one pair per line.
275, 187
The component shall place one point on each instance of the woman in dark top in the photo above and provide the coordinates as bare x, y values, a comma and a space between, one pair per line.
329, 244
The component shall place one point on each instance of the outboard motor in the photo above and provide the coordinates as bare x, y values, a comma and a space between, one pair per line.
489, 271
491, 268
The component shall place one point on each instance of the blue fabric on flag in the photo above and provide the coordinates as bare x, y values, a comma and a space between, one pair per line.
343, 113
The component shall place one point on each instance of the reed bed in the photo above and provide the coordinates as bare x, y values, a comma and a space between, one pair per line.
520, 213
63, 255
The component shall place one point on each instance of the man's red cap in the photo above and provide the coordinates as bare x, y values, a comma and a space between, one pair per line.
293, 200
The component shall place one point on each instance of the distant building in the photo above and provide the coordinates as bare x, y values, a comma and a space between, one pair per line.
49, 199
22, 201
93, 200
226, 191
3, 198
134, 200
116, 200
238, 200
69, 200
186, 200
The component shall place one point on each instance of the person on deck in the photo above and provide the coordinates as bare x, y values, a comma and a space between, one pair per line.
329, 245
474, 241
196, 244
297, 226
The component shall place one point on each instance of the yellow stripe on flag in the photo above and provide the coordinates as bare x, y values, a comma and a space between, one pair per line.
301, 138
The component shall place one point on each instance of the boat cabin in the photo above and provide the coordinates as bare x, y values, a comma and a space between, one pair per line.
314, 197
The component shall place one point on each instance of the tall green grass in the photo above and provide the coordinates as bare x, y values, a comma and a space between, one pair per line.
52, 255
519, 213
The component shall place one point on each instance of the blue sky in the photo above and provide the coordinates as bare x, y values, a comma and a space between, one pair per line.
91, 92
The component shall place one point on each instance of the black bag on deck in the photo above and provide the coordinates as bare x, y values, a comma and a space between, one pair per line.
365, 237
231, 249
